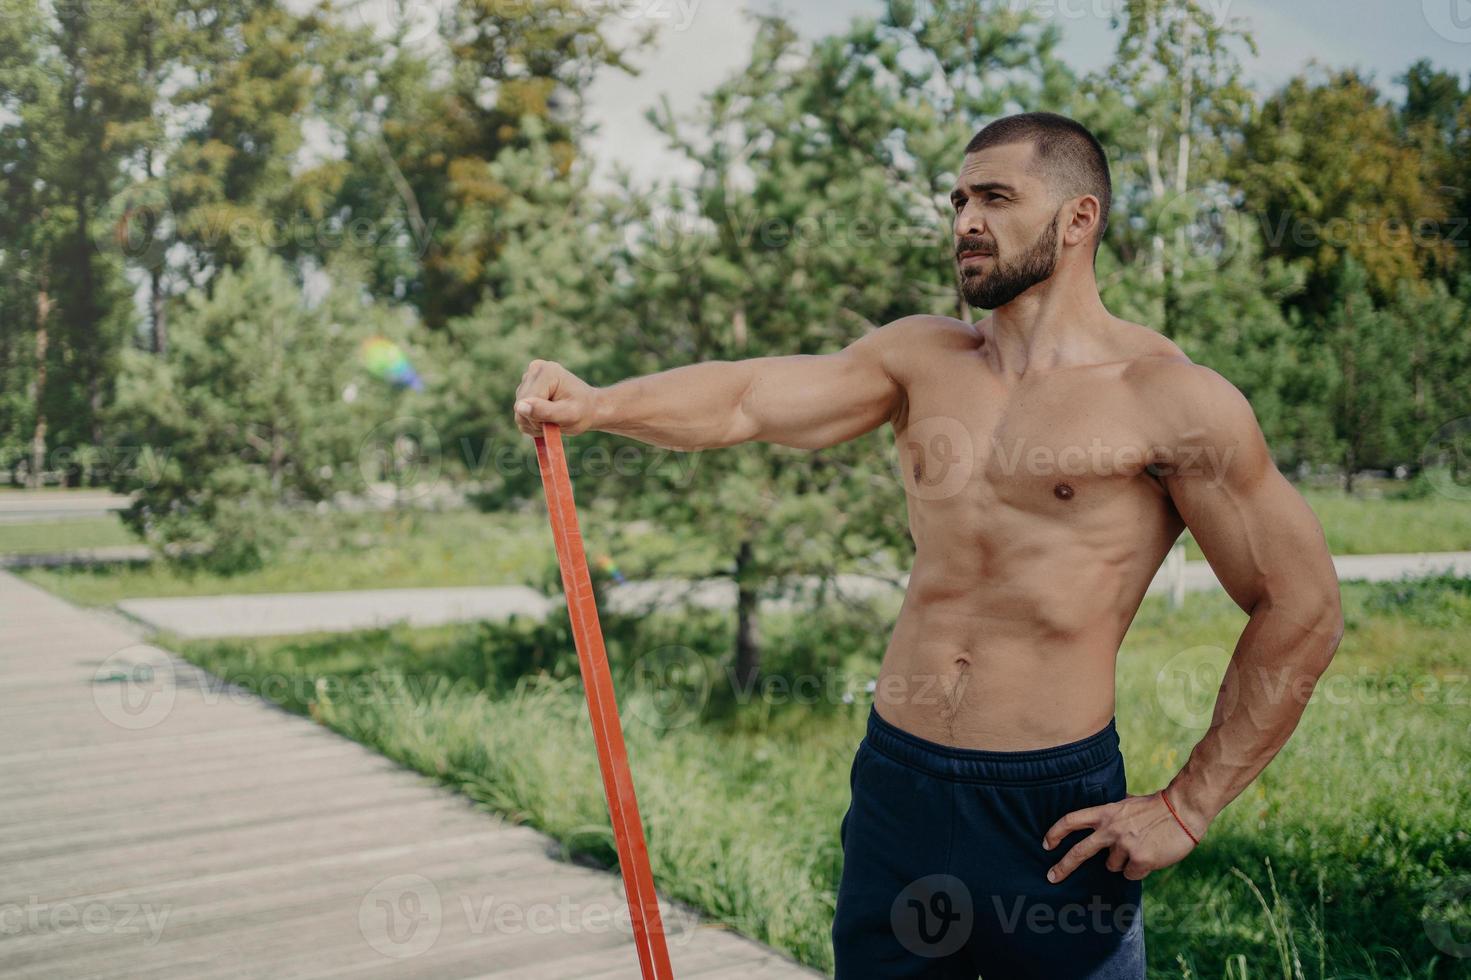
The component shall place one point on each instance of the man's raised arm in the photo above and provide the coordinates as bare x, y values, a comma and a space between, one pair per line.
806, 401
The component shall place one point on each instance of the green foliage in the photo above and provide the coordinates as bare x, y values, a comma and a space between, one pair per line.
1438, 600
244, 419
1365, 193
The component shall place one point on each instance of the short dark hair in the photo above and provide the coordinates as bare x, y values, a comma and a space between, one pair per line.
1064, 150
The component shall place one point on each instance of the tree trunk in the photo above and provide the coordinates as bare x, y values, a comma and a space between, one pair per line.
1349, 366
1157, 192
38, 388
156, 314
748, 635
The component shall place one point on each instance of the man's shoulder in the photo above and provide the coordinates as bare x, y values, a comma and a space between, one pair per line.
896, 344
1188, 398
929, 328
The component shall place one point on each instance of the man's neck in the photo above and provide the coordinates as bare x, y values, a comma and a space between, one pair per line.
1053, 324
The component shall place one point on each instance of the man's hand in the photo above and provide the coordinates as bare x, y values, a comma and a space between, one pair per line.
548, 392
1139, 832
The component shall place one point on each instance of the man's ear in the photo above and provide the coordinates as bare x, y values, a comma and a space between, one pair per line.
1083, 223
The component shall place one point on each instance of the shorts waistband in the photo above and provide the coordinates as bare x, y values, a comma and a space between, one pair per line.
1059, 762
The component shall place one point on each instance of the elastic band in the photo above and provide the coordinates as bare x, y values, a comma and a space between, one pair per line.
1193, 839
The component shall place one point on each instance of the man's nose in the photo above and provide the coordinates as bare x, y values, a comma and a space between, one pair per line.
968, 223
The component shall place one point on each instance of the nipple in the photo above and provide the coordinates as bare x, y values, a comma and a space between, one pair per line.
1063, 491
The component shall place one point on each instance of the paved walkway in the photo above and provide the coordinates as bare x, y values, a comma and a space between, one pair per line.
262, 615
305, 612
31, 506
152, 825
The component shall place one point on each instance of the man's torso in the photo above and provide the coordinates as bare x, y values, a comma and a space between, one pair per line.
1037, 526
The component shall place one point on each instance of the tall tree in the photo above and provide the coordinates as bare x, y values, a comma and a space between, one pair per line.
1332, 176
423, 125
68, 77
1167, 107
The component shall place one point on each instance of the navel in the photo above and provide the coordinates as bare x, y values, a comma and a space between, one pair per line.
1063, 491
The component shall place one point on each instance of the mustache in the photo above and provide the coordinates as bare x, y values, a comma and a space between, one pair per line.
974, 245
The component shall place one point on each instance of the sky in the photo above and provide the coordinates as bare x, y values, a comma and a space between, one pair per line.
701, 42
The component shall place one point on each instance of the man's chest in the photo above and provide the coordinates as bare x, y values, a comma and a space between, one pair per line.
1073, 449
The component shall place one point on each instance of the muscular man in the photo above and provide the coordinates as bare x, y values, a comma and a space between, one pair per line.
1052, 454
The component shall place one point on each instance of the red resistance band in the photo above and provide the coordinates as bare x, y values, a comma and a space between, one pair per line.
602, 709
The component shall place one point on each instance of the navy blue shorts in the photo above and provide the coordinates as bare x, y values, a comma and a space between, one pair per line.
944, 873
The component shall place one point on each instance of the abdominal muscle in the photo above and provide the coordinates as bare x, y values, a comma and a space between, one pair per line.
1004, 664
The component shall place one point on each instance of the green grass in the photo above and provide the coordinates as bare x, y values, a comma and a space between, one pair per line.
1330, 861
1366, 526
371, 551
1371, 525
67, 535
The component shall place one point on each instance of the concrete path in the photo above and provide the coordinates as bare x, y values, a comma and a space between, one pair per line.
262, 615
153, 824
33, 506
305, 612
105, 555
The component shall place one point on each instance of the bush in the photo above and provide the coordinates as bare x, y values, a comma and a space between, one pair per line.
257, 409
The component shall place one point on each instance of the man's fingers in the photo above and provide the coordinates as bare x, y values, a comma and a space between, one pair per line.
1081, 851
1076, 820
544, 410
1117, 858
532, 413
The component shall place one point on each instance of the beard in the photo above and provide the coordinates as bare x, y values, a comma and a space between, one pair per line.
1008, 280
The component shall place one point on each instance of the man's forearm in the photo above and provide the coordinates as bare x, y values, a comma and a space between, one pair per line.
1278, 660
685, 408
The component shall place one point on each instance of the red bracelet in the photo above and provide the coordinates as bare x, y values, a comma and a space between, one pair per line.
1193, 838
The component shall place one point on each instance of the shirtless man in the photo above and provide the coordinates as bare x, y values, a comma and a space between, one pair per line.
1052, 453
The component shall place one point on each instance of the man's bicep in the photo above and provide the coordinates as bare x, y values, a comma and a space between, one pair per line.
1261, 538
812, 401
